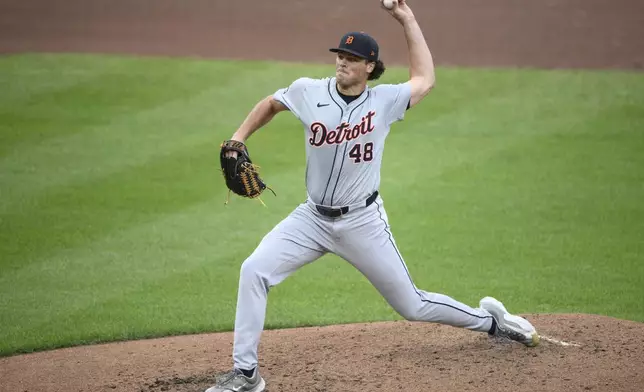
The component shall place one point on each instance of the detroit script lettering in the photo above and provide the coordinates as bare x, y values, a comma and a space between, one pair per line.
343, 132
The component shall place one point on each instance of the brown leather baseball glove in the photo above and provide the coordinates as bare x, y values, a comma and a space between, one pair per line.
241, 175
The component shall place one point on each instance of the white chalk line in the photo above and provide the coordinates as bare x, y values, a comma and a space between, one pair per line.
559, 342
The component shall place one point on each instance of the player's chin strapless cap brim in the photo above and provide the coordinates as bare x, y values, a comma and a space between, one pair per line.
353, 52
358, 44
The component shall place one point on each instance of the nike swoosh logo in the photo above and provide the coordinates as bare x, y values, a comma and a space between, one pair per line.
323, 104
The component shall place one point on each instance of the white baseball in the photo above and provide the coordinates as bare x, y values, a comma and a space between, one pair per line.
389, 4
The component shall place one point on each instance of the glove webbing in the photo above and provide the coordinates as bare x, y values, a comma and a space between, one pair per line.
250, 182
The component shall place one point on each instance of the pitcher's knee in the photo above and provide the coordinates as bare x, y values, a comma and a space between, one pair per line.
250, 269
410, 312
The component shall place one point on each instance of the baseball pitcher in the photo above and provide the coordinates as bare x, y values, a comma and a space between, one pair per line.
345, 126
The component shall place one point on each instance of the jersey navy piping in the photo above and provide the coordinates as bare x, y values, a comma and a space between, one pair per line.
409, 276
346, 145
336, 147
306, 173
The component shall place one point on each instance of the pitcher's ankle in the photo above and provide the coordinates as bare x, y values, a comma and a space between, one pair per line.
248, 373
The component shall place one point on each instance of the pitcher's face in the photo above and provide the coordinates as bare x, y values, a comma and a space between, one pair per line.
351, 70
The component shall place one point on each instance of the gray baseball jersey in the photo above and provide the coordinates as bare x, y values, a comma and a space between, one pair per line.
344, 148
344, 142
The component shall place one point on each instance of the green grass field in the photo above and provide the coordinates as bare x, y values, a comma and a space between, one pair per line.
523, 184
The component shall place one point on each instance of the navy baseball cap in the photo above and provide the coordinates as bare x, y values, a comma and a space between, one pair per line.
358, 44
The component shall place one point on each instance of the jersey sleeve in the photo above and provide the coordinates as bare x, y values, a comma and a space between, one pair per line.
396, 99
293, 96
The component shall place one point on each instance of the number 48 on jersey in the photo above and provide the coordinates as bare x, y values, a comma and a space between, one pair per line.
360, 154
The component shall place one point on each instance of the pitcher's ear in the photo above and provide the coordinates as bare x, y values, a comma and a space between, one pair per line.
378, 70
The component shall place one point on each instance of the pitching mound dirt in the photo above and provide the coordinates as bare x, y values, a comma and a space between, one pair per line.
591, 353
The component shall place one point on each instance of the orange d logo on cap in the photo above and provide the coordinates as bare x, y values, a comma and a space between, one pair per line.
358, 44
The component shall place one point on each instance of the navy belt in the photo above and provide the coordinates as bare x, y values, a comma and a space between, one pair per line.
336, 212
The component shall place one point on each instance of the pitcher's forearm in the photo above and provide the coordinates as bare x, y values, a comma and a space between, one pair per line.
421, 63
261, 114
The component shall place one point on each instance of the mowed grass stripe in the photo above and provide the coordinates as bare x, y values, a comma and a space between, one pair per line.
88, 93
149, 124
550, 226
